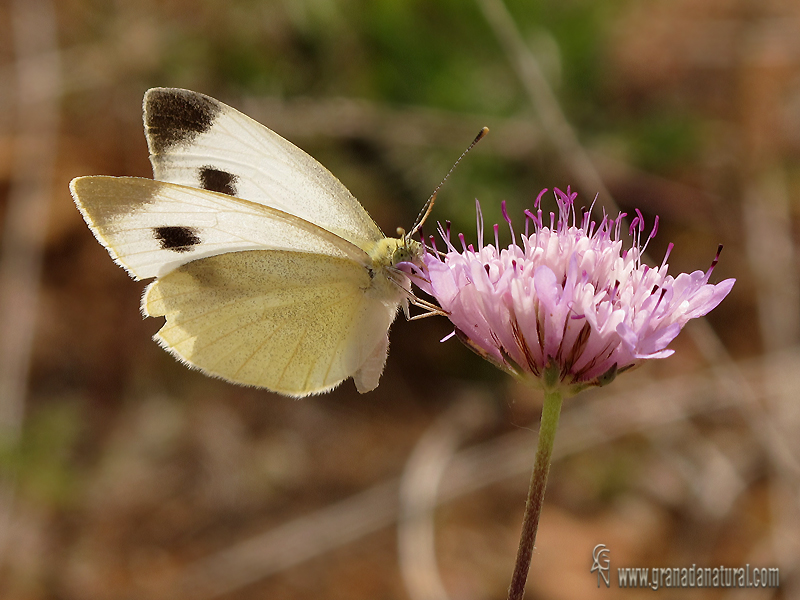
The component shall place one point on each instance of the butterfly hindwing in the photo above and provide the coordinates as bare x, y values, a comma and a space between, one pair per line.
197, 141
151, 227
293, 322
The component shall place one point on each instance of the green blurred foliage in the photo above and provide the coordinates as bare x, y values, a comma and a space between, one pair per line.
662, 142
43, 463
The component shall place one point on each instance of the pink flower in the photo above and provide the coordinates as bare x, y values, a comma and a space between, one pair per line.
569, 306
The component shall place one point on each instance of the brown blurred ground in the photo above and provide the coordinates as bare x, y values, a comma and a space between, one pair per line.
133, 477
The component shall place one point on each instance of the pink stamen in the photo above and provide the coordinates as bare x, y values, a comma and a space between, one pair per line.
479, 214
448, 336
538, 202
670, 246
508, 220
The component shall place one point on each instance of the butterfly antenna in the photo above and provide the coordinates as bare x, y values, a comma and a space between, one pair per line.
428, 207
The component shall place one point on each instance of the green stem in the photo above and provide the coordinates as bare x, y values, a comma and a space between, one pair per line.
533, 507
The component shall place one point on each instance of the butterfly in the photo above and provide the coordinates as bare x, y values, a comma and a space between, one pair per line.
268, 271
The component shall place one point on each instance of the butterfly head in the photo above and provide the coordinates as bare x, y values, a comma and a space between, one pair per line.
389, 252
406, 250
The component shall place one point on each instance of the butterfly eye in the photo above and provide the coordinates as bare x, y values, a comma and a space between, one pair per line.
405, 251
401, 254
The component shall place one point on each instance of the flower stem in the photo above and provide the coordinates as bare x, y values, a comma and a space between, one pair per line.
533, 507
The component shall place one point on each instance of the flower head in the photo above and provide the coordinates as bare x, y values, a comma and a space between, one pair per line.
568, 306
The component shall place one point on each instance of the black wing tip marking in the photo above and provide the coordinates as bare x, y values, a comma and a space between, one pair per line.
215, 180
178, 239
174, 116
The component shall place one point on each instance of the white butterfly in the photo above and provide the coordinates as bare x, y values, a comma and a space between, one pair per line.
268, 271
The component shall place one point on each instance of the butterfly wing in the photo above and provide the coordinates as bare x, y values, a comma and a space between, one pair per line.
198, 141
293, 322
250, 293
151, 227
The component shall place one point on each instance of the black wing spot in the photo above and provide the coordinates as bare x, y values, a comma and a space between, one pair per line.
177, 239
215, 180
173, 117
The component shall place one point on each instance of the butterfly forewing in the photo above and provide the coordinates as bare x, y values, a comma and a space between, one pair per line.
198, 141
295, 323
151, 227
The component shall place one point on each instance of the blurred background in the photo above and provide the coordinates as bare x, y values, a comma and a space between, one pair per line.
127, 476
